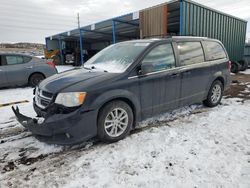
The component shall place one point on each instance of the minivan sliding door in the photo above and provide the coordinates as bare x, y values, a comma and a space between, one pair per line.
195, 73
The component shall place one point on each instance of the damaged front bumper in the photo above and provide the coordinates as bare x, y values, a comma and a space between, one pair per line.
71, 128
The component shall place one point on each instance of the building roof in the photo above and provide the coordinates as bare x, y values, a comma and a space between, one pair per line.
126, 27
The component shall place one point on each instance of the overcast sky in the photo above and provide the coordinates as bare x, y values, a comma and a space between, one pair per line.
33, 20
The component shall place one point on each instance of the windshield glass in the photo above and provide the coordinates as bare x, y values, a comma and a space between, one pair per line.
116, 58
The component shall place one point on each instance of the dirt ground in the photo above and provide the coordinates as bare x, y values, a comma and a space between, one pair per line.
239, 87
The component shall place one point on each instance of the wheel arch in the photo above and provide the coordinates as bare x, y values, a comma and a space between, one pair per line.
221, 79
127, 101
217, 76
122, 95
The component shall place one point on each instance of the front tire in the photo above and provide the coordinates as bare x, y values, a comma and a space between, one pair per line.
115, 121
215, 94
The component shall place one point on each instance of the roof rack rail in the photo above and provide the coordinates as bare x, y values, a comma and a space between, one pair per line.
169, 35
190, 37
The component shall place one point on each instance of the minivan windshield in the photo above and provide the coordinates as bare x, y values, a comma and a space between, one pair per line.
116, 58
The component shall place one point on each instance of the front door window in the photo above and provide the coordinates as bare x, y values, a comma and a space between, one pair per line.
159, 59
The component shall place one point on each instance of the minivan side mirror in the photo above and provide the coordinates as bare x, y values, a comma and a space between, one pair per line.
138, 70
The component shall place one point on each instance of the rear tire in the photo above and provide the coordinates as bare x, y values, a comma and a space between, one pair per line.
35, 79
244, 65
115, 121
235, 67
215, 94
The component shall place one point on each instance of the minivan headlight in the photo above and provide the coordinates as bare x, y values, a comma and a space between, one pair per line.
71, 99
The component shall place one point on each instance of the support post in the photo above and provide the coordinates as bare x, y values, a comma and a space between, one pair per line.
113, 30
80, 38
46, 43
81, 47
60, 49
181, 16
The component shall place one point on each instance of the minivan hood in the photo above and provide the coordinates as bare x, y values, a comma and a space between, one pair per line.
63, 80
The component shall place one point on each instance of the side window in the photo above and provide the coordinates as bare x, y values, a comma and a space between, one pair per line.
13, 59
26, 59
160, 58
214, 50
0, 60
190, 53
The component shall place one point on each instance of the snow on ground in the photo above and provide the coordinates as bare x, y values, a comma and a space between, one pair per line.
193, 146
246, 71
202, 148
63, 68
14, 95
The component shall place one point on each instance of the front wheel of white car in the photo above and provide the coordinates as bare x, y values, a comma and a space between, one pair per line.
115, 121
215, 94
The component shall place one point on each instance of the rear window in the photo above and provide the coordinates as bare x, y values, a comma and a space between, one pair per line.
214, 51
26, 59
190, 53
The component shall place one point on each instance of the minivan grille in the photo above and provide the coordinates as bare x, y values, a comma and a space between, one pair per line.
47, 94
43, 98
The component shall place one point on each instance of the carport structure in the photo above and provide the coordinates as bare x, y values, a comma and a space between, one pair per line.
177, 17
92, 38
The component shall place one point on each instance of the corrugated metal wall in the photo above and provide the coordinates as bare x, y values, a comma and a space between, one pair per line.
197, 20
247, 53
153, 21
247, 50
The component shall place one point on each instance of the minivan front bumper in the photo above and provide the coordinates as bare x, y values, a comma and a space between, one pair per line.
63, 129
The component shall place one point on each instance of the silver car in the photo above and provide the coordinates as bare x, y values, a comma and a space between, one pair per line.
19, 70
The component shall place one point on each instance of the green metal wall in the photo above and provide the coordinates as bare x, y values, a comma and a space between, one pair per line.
247, 50
247, 53
198, 20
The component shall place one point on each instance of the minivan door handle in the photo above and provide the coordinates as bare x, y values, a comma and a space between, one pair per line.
174, 75
30, 67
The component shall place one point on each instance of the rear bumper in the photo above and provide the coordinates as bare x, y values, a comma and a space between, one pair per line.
63, 129
228, 82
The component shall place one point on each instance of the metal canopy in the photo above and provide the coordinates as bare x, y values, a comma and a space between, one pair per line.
122, 28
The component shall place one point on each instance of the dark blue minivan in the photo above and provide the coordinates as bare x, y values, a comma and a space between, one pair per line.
126, 83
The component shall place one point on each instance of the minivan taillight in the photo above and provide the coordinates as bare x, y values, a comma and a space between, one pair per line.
51, 64
229, 65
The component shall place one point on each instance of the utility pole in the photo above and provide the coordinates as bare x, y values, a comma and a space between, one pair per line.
80, 33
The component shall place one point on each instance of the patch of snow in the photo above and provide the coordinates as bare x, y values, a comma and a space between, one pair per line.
13, 135
63, 68
15, 95
245, 72
40, 56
